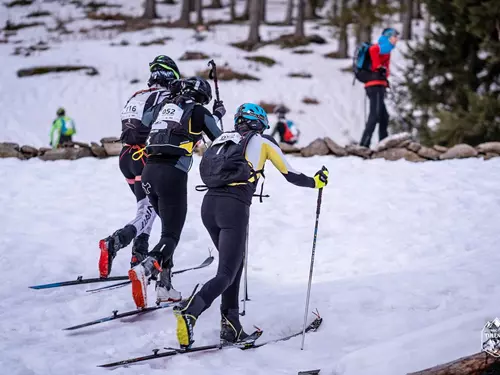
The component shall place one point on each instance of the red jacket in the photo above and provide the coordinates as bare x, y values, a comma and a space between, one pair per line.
378, 61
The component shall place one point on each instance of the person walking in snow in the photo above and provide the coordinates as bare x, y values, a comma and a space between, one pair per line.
170, 145
231, 168
286, 129
62, 130
137, 116
380, 57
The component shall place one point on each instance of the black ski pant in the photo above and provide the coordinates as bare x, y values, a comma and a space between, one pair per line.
166, 188
226, 220
132, 170
378, 114
63, 139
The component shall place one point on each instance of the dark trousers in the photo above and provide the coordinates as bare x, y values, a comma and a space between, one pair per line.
166, 188
132, 170
63, 139
378, 114
226, 220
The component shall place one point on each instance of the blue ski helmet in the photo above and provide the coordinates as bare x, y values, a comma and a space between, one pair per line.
252, 115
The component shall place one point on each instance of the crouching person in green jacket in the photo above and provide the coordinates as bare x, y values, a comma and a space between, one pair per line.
62, 129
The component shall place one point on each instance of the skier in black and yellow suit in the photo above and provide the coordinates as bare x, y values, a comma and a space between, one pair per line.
225, 213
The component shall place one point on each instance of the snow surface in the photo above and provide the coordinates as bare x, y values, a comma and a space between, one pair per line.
406, 269
95, 102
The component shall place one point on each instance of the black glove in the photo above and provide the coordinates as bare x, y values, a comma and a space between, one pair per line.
219, 110
383, 71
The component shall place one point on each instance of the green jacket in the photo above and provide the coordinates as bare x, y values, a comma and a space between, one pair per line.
63, 125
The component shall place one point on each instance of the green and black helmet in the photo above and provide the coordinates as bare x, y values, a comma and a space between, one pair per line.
163, 71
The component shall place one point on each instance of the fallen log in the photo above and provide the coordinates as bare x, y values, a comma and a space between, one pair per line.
476, 364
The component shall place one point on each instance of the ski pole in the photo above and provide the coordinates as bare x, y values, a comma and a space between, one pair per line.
213, 75
318, 208
245, 277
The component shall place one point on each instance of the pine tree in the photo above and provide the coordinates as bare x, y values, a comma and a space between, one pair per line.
454, 74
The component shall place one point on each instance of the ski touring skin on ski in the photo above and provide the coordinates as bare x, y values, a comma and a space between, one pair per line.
205, 263
115, 315
312, 327
80, 280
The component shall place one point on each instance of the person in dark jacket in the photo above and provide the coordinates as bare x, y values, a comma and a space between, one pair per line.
286, 129
137, 116
178, 127
380, 56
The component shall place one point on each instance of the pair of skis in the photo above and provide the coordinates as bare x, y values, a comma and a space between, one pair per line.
249, 343
115, 315
80, 280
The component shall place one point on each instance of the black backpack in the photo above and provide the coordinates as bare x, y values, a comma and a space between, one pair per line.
224, 162
169, 135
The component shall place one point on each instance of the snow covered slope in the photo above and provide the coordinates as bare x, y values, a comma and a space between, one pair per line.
405, 276
95, 102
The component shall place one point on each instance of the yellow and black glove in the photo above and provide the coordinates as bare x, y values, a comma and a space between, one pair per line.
321, 178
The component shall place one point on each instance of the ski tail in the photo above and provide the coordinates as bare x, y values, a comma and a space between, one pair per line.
125, 314
79, 280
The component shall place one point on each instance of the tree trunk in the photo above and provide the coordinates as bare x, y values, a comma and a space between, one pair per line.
428, 21
343, 51
407, 17
192, 5
334, 12
199, 12
289, 12
246, 13
216, 4
149, 10
417, 10
232, 9
309, 10
299, 26
255, 17
365, 25
263, 11
480, 363
311, 6
184, 20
